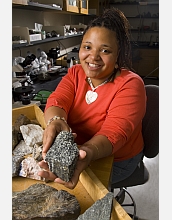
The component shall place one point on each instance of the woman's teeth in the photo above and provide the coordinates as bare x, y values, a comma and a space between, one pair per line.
93, 65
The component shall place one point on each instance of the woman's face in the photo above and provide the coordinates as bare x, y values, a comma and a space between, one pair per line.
98, 53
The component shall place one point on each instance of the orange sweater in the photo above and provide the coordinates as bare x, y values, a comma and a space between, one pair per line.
117, 113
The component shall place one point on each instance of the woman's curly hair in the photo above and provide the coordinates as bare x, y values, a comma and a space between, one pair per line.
114, 20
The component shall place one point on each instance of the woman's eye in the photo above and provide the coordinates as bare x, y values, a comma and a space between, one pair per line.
105, 51
87, 47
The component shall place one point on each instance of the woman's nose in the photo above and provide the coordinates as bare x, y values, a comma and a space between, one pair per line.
94, 54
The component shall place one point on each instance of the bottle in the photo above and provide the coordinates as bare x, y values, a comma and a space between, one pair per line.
43, 35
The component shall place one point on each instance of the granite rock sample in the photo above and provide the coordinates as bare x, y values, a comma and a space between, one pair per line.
41, 201
63, 155
100, 210
32, 134
16, 162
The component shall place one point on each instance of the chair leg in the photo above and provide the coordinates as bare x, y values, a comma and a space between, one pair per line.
120, 197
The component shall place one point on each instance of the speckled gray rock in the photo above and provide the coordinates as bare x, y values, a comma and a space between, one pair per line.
41, 201
63, 155
100, 210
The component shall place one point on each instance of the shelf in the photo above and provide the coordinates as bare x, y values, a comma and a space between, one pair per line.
47, 40
147, 31
142, 17
36, 7
134, 3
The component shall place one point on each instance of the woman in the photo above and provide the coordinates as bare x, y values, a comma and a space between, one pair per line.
102, 100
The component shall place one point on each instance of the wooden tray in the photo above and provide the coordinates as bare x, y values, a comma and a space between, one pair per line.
93, 182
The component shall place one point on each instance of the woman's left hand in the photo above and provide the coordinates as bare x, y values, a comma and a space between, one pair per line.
82, 163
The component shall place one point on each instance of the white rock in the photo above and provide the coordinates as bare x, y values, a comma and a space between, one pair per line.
32, 134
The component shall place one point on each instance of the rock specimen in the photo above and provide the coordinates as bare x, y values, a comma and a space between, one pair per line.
32, 134
37, 151
41, 201
21, 120
100, 210
63, 155
16, 161
22, 149
15, 140
30, 168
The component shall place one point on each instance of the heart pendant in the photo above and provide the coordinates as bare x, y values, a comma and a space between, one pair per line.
90, 97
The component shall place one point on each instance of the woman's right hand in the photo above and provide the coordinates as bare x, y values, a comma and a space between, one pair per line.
50, 133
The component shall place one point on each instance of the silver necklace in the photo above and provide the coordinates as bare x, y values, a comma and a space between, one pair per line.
91, 96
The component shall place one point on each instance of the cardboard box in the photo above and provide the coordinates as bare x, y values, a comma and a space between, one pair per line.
20, 2
24, 33
50, 2
89, 188
35, 37
33, 112
61, 61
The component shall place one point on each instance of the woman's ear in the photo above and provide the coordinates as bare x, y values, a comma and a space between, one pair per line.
116, 66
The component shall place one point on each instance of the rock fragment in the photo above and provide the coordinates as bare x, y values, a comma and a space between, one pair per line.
63, 155
41, 201
16, 162
100, 210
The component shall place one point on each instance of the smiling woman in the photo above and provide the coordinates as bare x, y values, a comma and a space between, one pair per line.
102, 100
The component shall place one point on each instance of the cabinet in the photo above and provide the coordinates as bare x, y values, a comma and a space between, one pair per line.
143, 18
144, 22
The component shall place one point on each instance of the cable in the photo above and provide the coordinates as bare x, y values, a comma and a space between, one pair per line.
151, 72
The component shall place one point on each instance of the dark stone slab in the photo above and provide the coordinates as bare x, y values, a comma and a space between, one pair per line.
14, 138
41, 201
63, 155
100, 210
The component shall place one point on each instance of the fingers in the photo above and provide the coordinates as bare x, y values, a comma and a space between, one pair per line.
82, 154
48, 175
81, 165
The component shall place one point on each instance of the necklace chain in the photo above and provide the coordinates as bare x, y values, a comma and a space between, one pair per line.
94, 88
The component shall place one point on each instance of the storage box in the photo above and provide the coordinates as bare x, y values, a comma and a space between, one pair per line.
35, 37
50, 2
24, 33
61, 61
20, 2
89, 188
